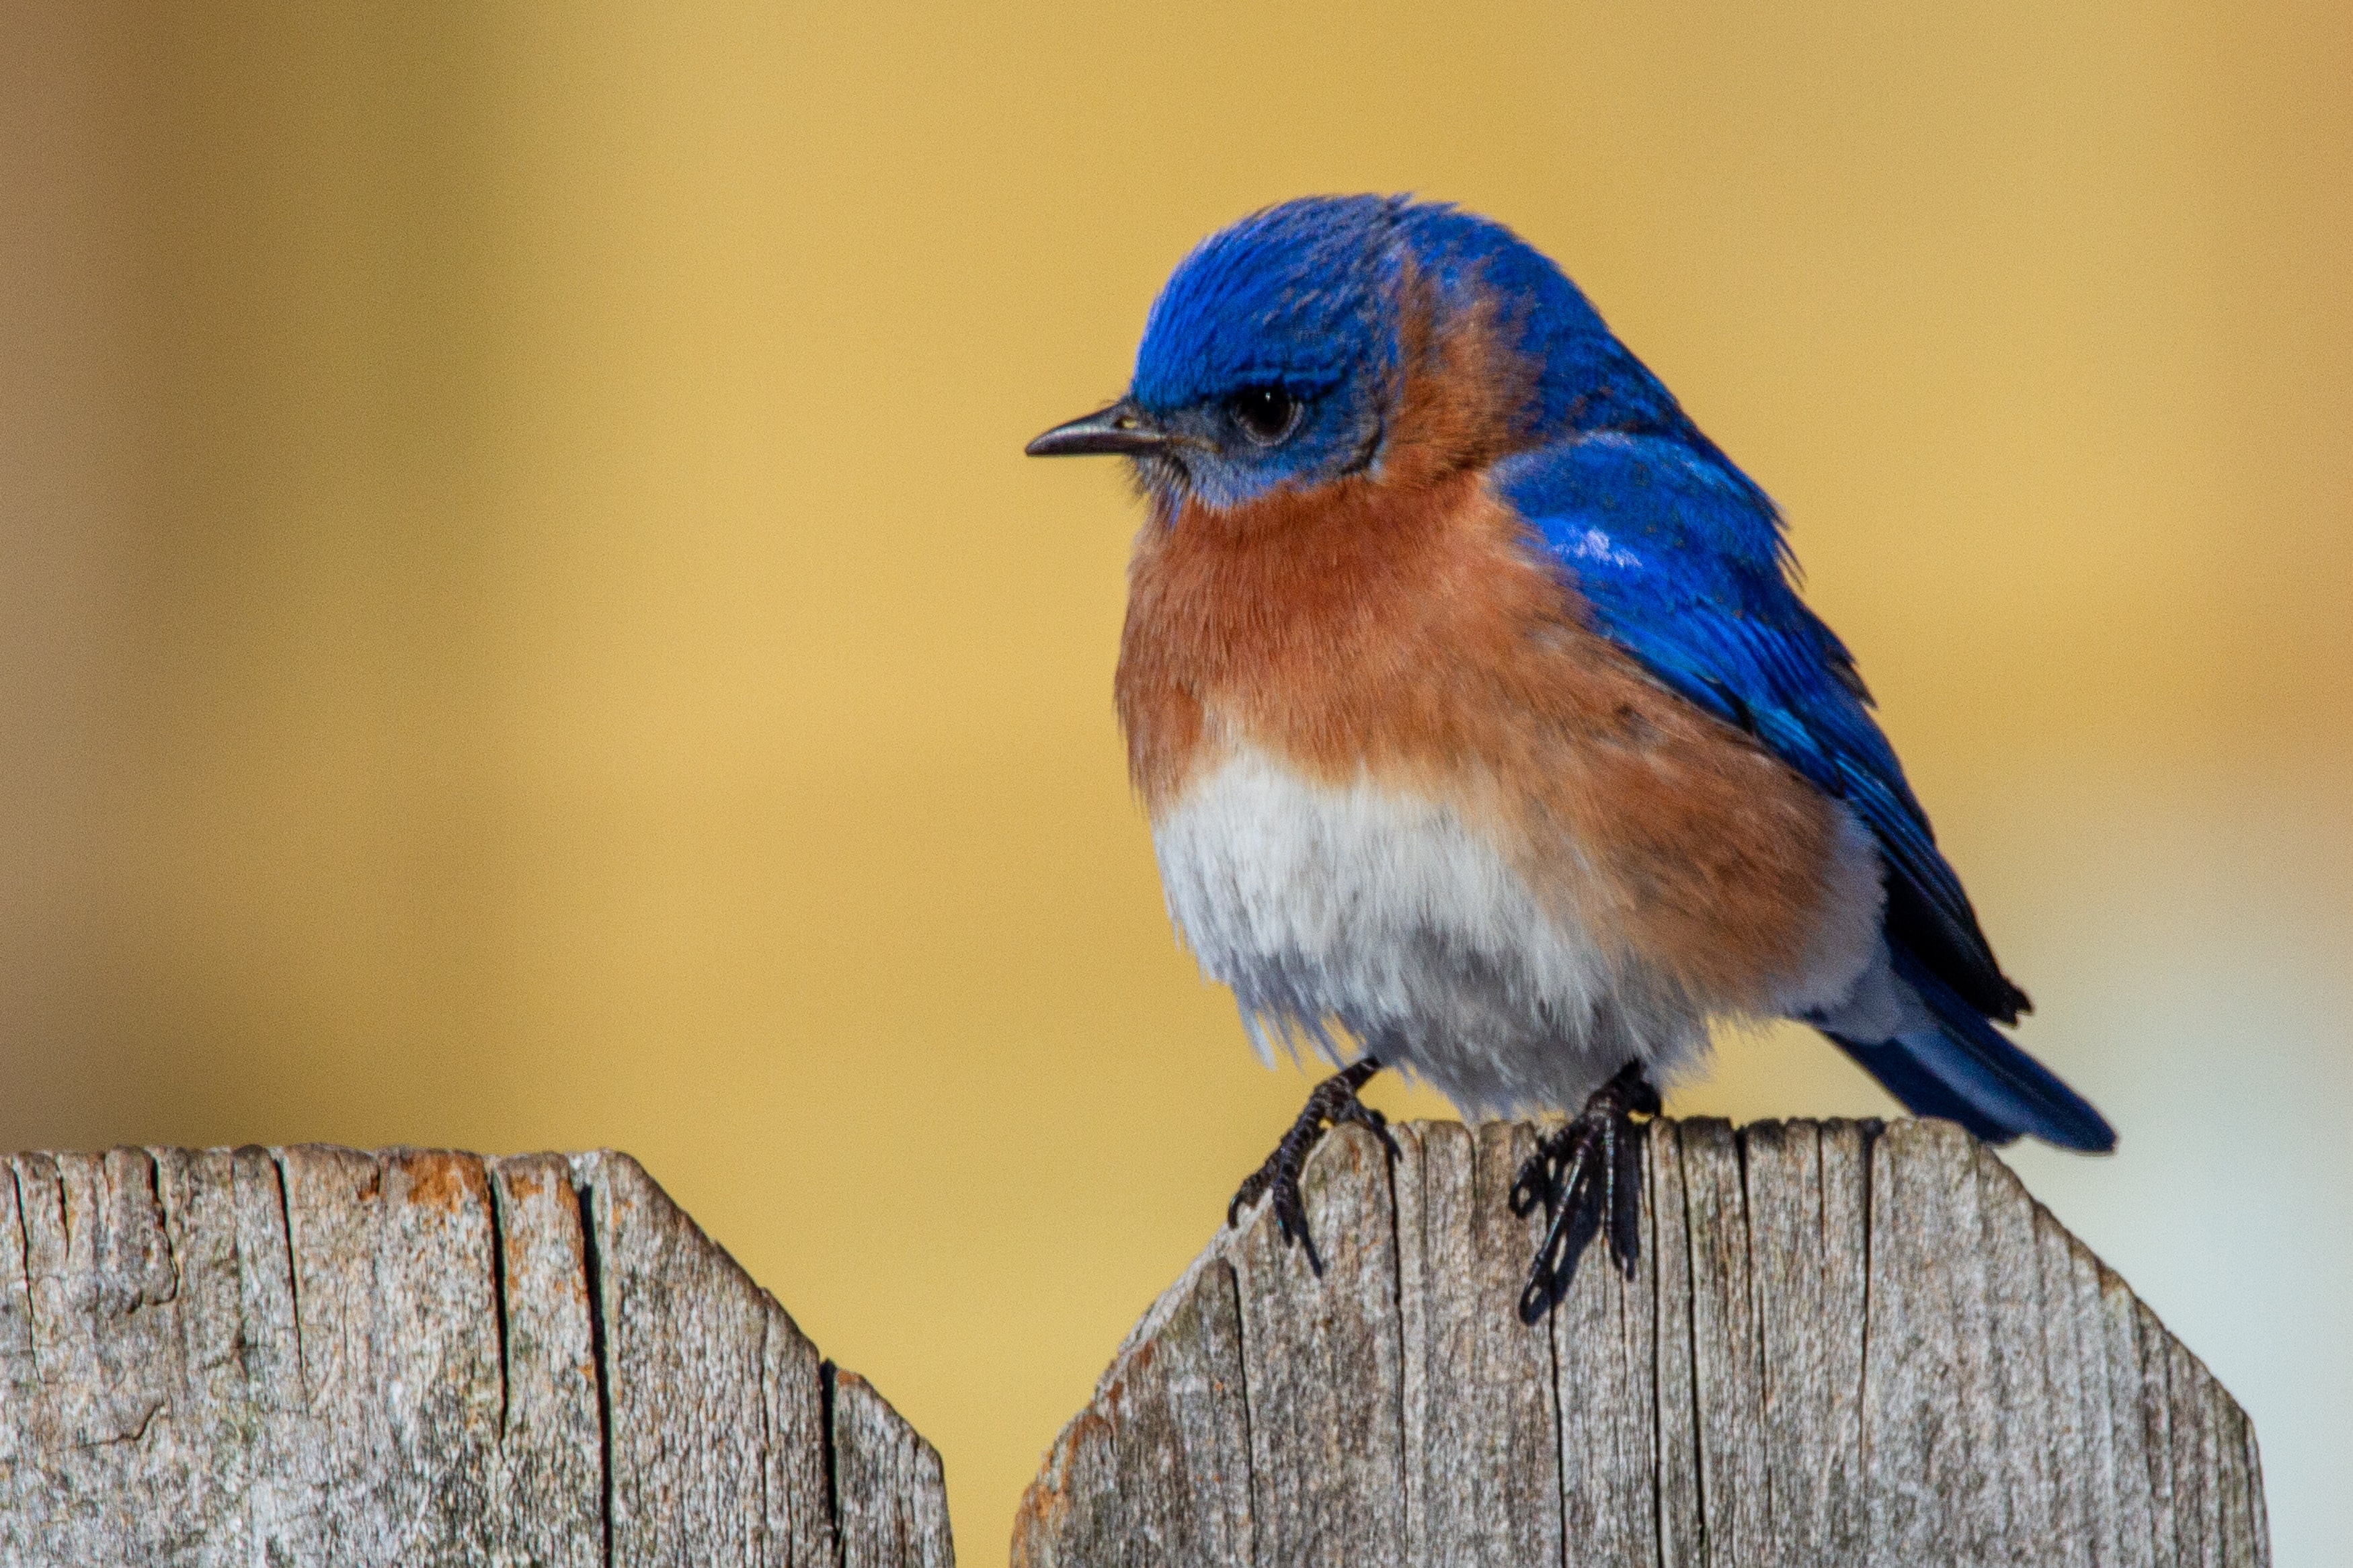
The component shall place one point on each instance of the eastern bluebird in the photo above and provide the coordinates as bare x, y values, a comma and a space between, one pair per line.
1476, 716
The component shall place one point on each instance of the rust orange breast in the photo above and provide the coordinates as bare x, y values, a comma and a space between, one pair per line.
1412, 635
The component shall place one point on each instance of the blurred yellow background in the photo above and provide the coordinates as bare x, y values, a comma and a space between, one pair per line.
523, 621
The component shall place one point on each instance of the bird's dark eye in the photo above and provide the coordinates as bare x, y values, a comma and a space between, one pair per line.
1265, 414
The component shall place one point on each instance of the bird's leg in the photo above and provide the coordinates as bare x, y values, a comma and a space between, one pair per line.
1589, 1170
1333, 1103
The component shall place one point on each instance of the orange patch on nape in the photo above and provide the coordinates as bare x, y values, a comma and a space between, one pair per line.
1462, 394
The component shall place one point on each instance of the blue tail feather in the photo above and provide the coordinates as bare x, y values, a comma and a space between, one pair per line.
1965, 1070
1901, 1074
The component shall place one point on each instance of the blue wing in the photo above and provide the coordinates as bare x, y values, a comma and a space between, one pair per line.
1681, 560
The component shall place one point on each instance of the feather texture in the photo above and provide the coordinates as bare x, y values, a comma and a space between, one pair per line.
1681, 561
1477, 712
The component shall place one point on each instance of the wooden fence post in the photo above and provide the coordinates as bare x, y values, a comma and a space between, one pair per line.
318, 1356
1842, 1345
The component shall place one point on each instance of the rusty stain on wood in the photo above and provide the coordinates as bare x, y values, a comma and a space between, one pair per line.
315, 1355
1841, 1345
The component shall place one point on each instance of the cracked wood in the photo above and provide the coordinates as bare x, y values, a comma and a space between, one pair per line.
1841, 1345
314, 1355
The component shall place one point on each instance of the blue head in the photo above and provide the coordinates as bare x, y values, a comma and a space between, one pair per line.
1316, 339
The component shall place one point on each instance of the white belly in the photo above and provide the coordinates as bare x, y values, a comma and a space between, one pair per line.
1387, 914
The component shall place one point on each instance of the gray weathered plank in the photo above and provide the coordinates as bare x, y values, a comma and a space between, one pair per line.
313, 1355
1927, 1359
1165, 1447
1682, 1504
2080, 1468
1606, 1352
2025, 1504
1727, 1362
1482, 1455
2134, 1531
894, 1510
2155, 1349
1842, 1344
1322, 1368
1806, 1237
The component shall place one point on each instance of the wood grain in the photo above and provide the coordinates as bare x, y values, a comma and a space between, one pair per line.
1843, 1343
315, 1355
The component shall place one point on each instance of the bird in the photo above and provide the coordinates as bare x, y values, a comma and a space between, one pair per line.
1483, 731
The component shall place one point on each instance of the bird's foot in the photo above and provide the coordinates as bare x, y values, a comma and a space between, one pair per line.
1333, 1103
1589, 1170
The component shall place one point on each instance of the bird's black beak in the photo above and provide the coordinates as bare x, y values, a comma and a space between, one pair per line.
1120, 430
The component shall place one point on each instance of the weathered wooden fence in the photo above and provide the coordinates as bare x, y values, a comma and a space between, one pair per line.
1841, 1345
316, 1356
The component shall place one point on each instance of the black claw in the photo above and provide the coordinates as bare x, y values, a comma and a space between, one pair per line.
1626, 1209
1333, 1103
1588, 1171
1539, 1178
